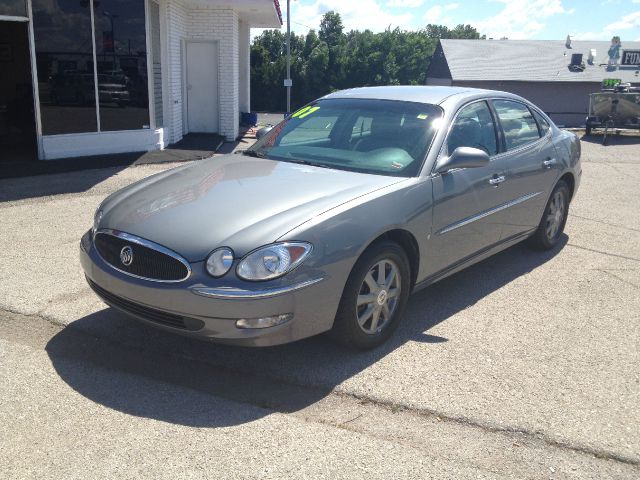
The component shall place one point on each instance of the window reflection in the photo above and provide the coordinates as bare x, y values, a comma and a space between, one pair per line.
121, 60
15, 8
64, 57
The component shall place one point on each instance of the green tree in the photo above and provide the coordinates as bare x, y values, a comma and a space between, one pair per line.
331, 29
332, 59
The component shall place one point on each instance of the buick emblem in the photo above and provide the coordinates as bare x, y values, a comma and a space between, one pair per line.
126, 255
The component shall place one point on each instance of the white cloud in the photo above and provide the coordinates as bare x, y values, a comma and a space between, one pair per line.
627, 22
407, 3
632, 20
356, 15
438, 14
519, 19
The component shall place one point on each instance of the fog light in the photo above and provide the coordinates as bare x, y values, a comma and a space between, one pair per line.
264, 322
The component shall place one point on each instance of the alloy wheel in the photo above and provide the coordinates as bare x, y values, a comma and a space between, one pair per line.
378, 296
555, 215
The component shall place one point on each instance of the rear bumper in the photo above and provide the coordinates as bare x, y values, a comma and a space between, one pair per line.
207, 308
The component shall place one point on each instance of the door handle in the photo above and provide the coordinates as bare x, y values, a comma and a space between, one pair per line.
549, 162
497, 180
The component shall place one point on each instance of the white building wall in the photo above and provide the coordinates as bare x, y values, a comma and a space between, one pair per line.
176, 21
221, 25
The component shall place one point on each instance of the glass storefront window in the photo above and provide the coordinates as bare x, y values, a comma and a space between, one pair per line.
67, 78
13, 8
64, 58
121, 59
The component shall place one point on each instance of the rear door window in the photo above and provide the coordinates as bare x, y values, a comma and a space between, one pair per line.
518, 124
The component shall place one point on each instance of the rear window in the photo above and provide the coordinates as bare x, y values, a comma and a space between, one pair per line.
518, 124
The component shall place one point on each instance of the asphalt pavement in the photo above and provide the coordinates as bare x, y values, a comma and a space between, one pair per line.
523, 366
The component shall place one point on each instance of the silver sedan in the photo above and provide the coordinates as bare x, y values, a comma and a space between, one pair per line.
335, 216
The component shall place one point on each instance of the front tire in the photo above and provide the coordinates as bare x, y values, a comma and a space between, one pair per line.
374, 297
553, 219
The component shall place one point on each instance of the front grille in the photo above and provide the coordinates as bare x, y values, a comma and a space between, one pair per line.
147, 262
151, 314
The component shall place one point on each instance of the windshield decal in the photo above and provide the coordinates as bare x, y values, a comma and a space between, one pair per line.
309, 112
300, 112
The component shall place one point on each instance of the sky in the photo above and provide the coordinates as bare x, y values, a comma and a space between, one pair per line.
514, 19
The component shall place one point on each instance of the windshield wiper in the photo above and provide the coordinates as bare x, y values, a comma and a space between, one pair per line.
306, 162
253, 153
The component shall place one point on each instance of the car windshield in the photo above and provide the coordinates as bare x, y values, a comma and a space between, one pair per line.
383, 137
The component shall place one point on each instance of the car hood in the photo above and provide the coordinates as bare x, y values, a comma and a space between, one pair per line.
236, 201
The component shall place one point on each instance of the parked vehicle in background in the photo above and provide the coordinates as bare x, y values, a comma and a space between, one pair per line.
113, 90
335, 216
616, 107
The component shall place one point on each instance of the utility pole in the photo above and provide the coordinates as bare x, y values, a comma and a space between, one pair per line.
287, 81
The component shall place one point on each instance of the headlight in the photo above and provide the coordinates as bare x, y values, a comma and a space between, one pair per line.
219, 261
273, 261
96, 220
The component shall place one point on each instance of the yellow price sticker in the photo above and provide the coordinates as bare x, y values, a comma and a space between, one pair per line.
304, 111
309, 112
423, 116
299, 112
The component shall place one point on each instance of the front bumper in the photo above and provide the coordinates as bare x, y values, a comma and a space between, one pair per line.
209, 308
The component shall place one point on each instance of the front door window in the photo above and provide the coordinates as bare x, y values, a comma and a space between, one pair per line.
473, 127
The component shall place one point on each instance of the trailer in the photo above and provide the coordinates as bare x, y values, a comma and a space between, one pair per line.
616, 107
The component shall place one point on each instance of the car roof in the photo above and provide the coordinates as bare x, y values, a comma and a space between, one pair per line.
412, 93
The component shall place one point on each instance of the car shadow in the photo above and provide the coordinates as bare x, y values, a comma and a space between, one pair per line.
20, 180
54, 183
138, 370
612, 138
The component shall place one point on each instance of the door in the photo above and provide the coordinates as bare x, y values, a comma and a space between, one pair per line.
17, 116
533, 165
468, 203
202, 87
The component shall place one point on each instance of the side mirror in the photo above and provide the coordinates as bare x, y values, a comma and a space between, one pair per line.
463, 157
263, 131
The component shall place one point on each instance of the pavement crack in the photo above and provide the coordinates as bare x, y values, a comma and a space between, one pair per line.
605, 223
352, 419
633, 259
492, 428
627, 282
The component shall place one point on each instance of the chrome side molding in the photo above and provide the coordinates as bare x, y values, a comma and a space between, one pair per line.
486, 213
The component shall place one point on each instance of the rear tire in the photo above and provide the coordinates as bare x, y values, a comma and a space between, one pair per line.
372, 302
553, 219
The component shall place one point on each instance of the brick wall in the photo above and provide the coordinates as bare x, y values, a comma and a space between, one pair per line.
221, 25
176, 15
209, 24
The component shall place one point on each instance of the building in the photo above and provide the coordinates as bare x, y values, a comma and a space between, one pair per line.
87, 77
538, 70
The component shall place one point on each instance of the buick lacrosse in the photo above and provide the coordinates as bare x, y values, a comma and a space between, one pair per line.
335, 216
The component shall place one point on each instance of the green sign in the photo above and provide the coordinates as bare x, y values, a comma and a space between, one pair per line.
611, 82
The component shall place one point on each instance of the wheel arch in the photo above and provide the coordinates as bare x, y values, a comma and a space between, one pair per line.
407, 241
569, 179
